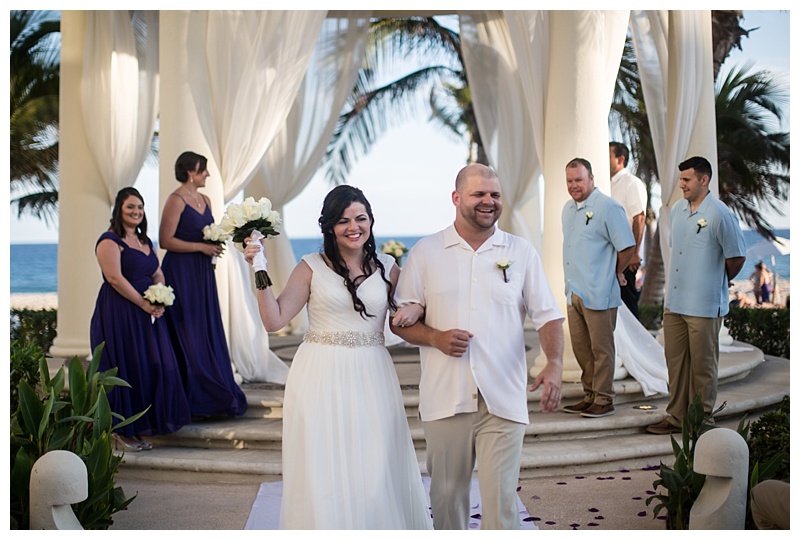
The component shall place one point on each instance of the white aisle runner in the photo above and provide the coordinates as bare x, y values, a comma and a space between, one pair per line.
266, 508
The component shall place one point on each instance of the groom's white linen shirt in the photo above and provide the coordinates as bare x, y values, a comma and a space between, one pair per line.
464, 289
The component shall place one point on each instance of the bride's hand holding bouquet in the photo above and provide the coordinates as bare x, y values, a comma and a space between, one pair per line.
248, 223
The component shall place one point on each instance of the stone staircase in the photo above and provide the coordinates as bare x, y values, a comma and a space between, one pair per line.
555, 443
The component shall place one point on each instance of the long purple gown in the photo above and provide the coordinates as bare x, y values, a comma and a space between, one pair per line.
140, 349
195, 325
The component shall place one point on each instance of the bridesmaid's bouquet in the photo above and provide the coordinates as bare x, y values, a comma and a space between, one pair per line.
395, 249
215, 234
254, 220
159, 294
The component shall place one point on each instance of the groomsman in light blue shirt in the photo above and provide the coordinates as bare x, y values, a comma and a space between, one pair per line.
598, 245
708, 250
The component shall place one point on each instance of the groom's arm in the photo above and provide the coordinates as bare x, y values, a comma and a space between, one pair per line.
450, 342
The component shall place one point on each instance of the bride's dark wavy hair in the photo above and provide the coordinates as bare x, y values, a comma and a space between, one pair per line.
333, 208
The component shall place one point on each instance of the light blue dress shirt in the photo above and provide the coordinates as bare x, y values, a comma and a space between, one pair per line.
590, 249
697, 282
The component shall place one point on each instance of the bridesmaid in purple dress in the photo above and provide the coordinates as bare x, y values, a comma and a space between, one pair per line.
194, 319
138, 346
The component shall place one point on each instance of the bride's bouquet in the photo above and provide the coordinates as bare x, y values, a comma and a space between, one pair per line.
159, 294
396, 249
254, 220
215, 234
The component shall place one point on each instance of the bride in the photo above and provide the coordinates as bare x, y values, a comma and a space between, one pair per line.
348, 458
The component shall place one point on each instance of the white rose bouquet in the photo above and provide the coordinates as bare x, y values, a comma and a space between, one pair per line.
159, 294
395, 249
215, 234
254, 220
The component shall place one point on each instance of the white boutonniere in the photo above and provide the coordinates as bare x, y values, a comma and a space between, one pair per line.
503, 265
700, 224
589, 216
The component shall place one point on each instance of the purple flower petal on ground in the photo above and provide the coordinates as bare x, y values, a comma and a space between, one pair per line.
536, 518
473, 525
637, 498
642, 514
574, 525
624, 470
599, 517
536, 498
652, 468
519, 488
609, 477
580, 477
593, 510
662, 518
650, 492
592, 524
529, 519
475, 516
550, 522
626, 478
561, 483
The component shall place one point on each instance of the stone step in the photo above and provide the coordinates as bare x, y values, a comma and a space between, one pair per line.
555, 443
265, 400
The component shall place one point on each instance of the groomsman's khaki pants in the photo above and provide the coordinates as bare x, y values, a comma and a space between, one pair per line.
592, 336
452, 447
691, 347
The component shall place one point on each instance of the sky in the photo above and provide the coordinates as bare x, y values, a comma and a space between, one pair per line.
409, 174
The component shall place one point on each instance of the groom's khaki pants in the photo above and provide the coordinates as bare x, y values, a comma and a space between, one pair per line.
452, 445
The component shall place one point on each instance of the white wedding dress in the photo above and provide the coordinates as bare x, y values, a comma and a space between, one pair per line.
348, 458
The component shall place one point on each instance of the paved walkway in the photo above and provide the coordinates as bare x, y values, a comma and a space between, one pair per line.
201, 501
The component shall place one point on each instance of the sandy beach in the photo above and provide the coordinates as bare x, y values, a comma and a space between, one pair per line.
33, 301
50, 300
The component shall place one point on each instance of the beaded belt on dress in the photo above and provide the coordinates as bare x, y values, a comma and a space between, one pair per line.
346, 338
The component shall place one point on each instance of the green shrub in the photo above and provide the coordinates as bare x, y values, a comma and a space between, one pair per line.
80, 421
769, 437
767, 329
24, 367
34, 326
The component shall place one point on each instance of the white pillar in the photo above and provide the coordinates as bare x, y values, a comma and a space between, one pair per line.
576, 125
84, 210
184, 91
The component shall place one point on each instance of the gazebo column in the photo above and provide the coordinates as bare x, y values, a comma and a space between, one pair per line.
183, 90
84, 209
579, 92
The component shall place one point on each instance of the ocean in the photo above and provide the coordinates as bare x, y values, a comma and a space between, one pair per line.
34, 266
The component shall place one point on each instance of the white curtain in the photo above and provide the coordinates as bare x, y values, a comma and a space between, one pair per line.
296, 152
672, 89
286, 168
256, 61
119, 93
508, 96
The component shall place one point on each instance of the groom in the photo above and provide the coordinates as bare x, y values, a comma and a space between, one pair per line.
477, 284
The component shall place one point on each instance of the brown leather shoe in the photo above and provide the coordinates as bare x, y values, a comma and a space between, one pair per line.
597, 411
577, 408
663, 428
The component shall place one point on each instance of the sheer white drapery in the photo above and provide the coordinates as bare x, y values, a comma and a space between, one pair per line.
286, 168
505, 91
672, 51
256, 61
119, 93
296, 152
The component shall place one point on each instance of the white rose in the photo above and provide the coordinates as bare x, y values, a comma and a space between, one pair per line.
226, 224
274, 218
236, 216
265, 207
251, 209
398, 252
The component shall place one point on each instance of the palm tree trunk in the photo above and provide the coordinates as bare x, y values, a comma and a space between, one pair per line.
655, 279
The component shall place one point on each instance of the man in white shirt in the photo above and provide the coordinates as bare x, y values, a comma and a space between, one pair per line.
629, 191
477, 284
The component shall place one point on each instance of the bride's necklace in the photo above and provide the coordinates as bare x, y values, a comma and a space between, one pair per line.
197, 200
